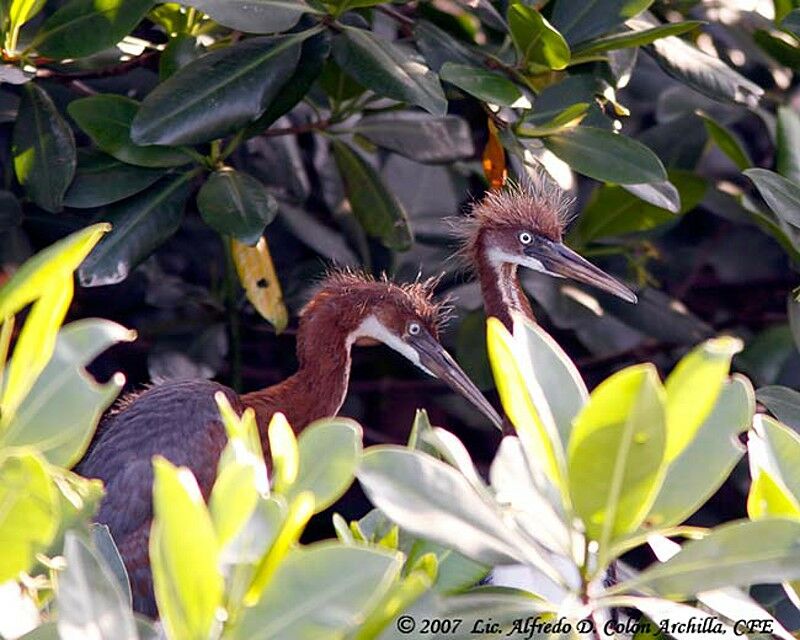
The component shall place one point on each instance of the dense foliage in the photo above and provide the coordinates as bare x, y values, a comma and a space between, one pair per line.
237, 147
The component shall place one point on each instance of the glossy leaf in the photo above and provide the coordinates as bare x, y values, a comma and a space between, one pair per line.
663, 194
313, 54
186, 579
217, 93
52, 264
701, 468
565, 120
90, 602
337, 441
236, 204
582, 21
484, 84
253, 16
692, 390
704, 73
377, 208
107, 119
82, 27
43, 149
388, 70
637, 38
539, 44
724, 558
783, 403
440, 47
102, 180
317, 593
59, 415
29, 518
140, 225
180, 51
616, 453
781, 195
107, 552
420, 137
260, 281
726, 140
606, 156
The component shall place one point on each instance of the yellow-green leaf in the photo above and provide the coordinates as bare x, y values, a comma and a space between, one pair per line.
692, 390
283, 450
183, 554
767, 498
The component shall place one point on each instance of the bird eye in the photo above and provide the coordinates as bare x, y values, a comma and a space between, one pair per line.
414, 328
525, 237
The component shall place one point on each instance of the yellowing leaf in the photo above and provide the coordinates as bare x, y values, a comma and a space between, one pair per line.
494, 160
284, 453
260, 281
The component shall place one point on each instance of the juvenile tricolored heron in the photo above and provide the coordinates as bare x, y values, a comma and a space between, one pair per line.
180, 420
522, 225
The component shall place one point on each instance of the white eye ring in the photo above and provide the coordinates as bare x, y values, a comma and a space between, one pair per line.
525, 237
414, 328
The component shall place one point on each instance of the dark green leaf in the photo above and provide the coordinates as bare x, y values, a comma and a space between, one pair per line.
180, 51
634, 38
485, 85
418, 136
388, 70
704, 73
607, 156
727, 141
101, 180
781, 195
376, 208
540, 46
581, 21
615, 212
253, 16
785, 53
439, 47
471, 349
218, 92
337, 84
313, 54
783, 403
236, 204
787, 136
107, 119
139, 225
43, 149
82, 27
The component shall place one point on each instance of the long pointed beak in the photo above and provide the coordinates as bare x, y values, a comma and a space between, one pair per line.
440, 364
560, 260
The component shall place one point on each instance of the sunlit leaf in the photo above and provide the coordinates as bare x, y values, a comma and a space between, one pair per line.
90, 602
638, 38
337, 442
780, 194
539, 44
253, 16
187, 582
486, 85
29, 518
582, 21
767, 498
64, 406
616, 453
692, 390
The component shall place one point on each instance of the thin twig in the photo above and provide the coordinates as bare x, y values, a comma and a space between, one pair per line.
105, 72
